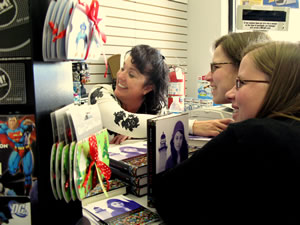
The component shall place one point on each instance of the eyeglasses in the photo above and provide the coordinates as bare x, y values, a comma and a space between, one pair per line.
239, 82
214, 66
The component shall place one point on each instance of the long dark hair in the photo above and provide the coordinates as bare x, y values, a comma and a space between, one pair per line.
184, 147
150, 62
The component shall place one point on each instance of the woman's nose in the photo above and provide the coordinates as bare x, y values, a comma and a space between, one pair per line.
230, 95
208, 76
121, 74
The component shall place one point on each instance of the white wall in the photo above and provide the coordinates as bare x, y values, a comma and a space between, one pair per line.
207, 21
183, 30
159, 23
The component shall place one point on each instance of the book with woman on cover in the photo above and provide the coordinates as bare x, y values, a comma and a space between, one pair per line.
167, 142
119, 210
130, 157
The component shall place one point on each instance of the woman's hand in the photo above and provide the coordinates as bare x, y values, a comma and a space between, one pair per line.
210, 127
118, 139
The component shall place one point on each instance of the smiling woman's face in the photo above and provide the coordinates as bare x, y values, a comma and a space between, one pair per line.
248, 99
130, 84
223, 78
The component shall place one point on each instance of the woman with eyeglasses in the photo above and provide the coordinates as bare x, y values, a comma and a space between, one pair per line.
249, 174
223, 71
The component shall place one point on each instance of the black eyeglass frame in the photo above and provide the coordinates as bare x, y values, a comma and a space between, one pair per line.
240, 82
213, 68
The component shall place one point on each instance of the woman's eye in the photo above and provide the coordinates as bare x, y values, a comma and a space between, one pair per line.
216, 67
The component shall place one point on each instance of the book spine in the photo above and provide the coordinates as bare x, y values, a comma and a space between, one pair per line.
132, 180
151, 134
127, 168
120, 165
138, 191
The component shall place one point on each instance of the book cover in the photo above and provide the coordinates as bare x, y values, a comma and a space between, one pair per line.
117, 187
198, 141
129, 150
167, 142
85, 120
130, 157
120, 210
15, 210
17, 153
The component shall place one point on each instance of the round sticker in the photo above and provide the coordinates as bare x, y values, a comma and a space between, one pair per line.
8, 12
5, 84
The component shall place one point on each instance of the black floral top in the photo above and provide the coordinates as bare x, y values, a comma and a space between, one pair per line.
114, 117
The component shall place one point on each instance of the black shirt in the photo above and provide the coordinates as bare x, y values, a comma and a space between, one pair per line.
249, 174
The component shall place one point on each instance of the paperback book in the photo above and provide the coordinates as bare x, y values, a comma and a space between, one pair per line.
117, 187
197, 141
130, 158
119, 210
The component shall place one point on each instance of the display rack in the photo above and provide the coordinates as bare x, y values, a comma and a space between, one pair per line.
48, 86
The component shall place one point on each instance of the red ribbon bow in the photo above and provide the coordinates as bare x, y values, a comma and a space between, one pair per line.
105, 170
52, 27
60, 35
55, 31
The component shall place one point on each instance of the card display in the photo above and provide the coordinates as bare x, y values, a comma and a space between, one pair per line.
78, 163
73, 30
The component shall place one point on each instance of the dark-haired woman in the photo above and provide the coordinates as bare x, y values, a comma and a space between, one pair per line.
139, 94
179, 146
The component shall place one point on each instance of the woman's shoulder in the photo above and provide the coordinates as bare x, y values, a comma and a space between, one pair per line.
107, 87
268, 123
99, 91
170, 163
275, 128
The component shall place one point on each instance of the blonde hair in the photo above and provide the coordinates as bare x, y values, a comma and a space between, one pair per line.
281, 62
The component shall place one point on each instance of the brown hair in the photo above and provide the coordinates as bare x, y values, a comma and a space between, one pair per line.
233, 44
280, 61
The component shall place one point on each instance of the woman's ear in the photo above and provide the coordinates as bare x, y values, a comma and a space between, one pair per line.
148, 88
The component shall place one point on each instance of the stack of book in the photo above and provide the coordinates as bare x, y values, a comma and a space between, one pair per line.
128, 162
